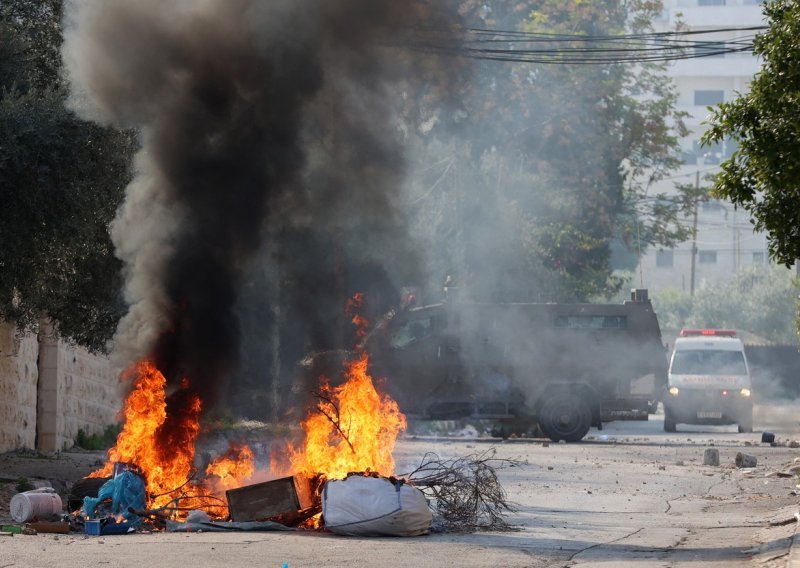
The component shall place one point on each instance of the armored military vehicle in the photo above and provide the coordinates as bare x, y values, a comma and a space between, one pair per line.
563, 366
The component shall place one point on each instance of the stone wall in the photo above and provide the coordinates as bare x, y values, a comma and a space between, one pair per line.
49, 390
18, 377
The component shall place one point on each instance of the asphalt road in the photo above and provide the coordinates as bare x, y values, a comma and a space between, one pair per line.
630, 495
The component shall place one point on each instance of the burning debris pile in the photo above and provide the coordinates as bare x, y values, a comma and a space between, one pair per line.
341, 477
351, 433
353, 429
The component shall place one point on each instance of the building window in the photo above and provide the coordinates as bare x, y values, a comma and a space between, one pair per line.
708, 98
712, 205
759, 258
689, 158
712, 154
664, 258
708, 257
710, 2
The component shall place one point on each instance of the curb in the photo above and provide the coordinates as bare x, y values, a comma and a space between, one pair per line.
793, 561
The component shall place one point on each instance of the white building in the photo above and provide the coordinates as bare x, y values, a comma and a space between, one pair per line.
725, 238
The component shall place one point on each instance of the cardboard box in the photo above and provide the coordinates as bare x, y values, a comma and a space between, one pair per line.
269, 499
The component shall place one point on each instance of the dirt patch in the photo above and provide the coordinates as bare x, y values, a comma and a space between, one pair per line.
59, 470
6, 492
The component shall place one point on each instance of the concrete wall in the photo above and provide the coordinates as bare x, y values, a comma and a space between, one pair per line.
49, 390
18, 378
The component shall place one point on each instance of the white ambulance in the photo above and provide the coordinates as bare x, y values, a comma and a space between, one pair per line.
708, 381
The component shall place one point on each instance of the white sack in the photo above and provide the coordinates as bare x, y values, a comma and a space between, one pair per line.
374, 506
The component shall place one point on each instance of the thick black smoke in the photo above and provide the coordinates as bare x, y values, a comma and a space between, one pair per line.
229, 96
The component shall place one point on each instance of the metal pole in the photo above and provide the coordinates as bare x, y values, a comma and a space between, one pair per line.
735, 244
694, 233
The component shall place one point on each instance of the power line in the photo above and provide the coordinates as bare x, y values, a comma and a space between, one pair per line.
571, 37
537, 47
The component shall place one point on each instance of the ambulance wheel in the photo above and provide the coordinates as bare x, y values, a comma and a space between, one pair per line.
746, 423
669, 421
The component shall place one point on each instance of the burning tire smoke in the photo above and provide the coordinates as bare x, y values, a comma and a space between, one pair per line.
222, 92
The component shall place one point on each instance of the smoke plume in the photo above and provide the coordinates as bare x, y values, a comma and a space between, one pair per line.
229, 96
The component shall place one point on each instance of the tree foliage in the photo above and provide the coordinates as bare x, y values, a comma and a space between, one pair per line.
760, 301
763, 175
61, 180
550, 167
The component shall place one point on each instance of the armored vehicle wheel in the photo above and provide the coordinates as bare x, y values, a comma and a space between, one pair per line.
669, 421
565, 416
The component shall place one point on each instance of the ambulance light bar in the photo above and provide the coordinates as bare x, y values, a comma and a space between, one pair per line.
708, 332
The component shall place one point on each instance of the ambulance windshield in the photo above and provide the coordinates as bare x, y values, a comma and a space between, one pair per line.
708, 362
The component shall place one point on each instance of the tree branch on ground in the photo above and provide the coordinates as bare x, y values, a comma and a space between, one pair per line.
466, 491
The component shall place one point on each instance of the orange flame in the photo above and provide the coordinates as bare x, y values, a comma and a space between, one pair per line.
144, 411
352, 308
162, 444
234, 467
353, 430
361, 324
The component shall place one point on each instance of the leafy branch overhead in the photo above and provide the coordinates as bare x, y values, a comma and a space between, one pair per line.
763, 174
61, 180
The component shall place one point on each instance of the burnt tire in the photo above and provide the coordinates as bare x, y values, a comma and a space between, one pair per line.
86, 487
565, 416
669, 421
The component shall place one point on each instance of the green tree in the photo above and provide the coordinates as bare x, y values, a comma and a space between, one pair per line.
673, 307
61, 180
551, 167
757, 300
763, 174
39, 25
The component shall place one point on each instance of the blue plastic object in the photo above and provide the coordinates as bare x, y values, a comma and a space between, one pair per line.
97, 527
92, 527
126, 491
117, 528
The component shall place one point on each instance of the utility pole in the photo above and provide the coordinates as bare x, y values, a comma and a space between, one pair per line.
694, 232
735, 243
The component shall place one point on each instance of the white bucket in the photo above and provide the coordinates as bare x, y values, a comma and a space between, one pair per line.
37, 504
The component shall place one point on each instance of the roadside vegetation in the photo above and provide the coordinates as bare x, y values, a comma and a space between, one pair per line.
760, 301
102, 441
